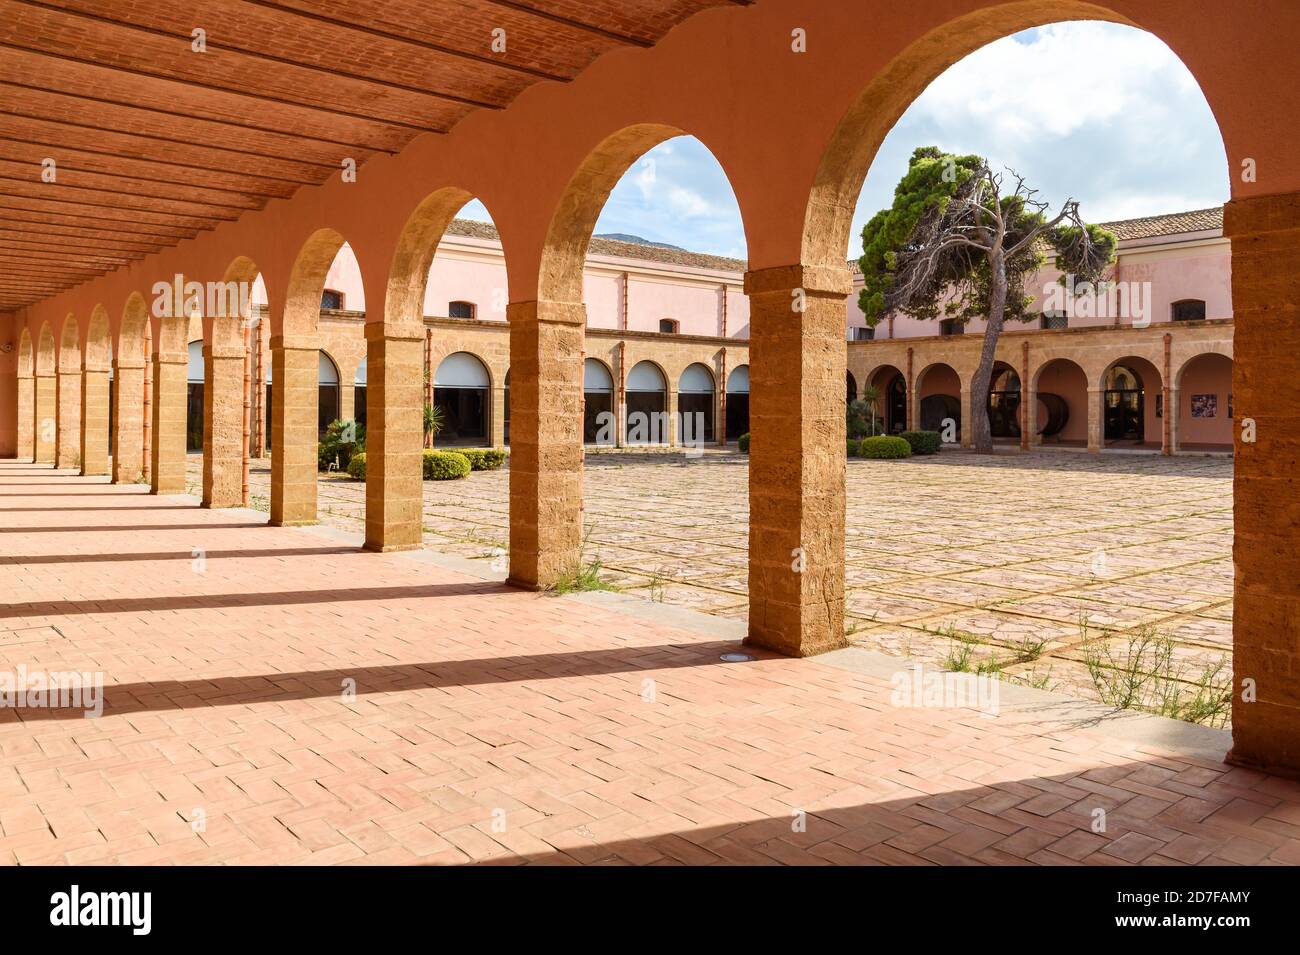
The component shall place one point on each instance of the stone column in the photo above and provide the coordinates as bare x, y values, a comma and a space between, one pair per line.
347, 401
1096, 421
128, 420
673, 432
26, 418
911, 393
295, 370
497, 418
1169, 434
1029, 437
94, 418
170, 387
44, 423
546, 342
1265, 234
223, 424
797, 458
67, 441
394, 437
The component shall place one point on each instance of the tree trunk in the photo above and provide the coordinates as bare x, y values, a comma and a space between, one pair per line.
981, 431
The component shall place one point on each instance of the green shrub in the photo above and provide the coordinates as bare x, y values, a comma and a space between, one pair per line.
342, 440
743, 443
445, 465
854, 448
885, 446
357, 466
923, 442
484, 459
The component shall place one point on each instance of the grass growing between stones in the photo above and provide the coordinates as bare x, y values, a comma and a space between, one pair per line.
1144, 674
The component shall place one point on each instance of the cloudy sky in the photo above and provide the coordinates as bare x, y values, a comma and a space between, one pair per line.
1104, 113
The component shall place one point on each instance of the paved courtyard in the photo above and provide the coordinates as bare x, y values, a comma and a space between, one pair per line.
1062, 570
277, 695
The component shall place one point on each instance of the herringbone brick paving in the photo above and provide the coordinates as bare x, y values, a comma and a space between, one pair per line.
492, 725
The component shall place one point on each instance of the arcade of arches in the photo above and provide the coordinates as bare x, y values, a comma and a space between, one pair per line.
828, 109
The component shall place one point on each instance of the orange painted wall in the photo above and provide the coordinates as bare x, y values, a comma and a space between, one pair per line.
9, 330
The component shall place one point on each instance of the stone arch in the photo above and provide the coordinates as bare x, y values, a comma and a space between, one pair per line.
1132, 415
46, 357
26, 357
574, 220
301, 313
940, 392
878, 107
408, 277
131, 385
1068, 381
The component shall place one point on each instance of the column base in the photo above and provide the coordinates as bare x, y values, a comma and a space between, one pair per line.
291, 523
390, 548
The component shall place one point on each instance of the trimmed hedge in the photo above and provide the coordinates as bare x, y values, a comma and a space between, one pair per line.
854, 448
484, 459
357, 466
885, 446
743, 443
923, 442
445, 465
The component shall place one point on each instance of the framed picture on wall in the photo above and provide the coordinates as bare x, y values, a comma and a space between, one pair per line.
1205, 406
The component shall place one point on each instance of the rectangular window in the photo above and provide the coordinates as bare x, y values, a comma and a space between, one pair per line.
864, 334
331, 299
1055, 320
951, 326
460, 309
668, 326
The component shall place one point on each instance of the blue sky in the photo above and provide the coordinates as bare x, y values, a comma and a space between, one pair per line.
1103, 113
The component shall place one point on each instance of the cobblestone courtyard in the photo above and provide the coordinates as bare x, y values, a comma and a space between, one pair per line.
1032, 565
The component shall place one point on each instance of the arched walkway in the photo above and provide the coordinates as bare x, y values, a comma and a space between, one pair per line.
1061, 389
96, 390
67, 446
462, 388
737, 402
695, 403
1132, 404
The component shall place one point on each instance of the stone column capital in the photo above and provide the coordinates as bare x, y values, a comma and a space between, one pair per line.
813, 279
223, 351
547, 313
1261, 214
392, 332
295, 343
123, 362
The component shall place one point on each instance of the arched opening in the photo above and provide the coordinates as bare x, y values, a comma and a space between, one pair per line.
359, 393
695, 402
462, 388
885, 394
96, 392
647, 405
1205, 413
130, 392
327, 389
25, 443
1004, 402
44, 405
738, 402
68, 388
1131, 404
194, 379
598, 419
938, 388
851, 388
1062, 388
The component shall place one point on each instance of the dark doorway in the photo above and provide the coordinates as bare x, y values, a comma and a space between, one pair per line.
1123, 406
896, 405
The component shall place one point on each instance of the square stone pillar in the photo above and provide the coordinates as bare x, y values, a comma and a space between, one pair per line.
1096, 421
672, 434
128, 420
1169, 434
797, 458
394, 437
347, 401
1265, 234
546, 342
967, 435
94, 419
1028, 417
67, 441
223, 425
26, 448
295, 407
169, 408
44, 423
